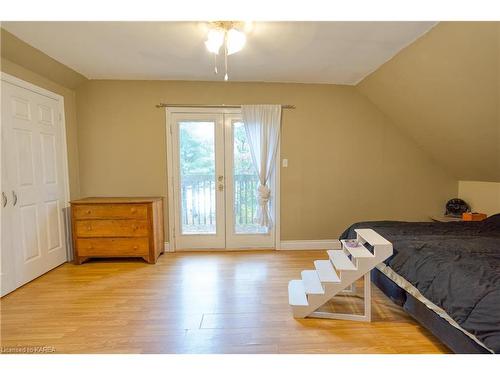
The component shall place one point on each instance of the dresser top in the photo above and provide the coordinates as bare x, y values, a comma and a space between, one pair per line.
93, 200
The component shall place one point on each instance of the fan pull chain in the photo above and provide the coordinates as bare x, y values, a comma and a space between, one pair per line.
226, 77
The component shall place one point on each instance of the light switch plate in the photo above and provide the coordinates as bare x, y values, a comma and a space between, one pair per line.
285, 163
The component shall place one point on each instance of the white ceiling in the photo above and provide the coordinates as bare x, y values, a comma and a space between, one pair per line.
309, 52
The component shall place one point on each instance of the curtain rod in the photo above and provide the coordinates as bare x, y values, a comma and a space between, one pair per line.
163, 105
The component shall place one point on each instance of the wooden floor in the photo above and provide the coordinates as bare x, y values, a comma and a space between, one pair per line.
195, 303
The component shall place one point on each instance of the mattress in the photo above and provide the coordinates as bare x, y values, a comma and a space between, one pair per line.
453, 268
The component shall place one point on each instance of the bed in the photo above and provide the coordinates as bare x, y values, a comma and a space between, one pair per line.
447, 276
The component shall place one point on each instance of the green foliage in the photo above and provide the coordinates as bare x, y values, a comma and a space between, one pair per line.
243, 163
196, 153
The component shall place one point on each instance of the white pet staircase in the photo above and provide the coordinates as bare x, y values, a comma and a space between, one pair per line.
333, 277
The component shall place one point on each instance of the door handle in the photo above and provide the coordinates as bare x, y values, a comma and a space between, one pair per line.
14, 196
4, 199
221, 184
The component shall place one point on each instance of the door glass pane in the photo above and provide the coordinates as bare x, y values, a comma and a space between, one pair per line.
246, 183
197, 176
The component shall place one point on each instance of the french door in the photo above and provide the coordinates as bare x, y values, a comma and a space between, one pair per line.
214, 182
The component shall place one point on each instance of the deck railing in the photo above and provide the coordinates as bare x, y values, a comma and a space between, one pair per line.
198, 199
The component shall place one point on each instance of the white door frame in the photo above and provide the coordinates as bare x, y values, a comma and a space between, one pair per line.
171, 171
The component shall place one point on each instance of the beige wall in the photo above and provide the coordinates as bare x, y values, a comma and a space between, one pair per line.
17, 58
483, 197
347, 162
443, 91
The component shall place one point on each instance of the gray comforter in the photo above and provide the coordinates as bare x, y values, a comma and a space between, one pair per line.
454, 265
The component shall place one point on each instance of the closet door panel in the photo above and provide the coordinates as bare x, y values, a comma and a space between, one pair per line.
48, 142
24, 153
46, 115
52, 188
53, 220
30, 233
20, 108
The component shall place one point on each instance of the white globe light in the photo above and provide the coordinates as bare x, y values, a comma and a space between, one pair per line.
235, 41
214, 41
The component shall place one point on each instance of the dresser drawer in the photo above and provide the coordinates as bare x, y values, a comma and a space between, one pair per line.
111, 228
113, 247
110, 211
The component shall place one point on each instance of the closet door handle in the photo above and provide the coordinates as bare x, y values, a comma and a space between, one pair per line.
4, 199
14, 196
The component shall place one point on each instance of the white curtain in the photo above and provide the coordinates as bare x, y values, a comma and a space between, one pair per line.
262, 126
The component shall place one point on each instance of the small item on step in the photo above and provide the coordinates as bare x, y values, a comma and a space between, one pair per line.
351, 243
473, 216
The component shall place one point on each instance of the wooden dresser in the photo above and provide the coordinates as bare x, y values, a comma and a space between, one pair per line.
117, 227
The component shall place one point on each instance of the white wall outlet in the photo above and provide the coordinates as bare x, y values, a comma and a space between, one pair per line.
285, 163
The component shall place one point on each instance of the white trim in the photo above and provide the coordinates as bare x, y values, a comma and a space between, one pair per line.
310, 245
221, 250
62, 119
65, 150
277, 192
170, 181
284, 245
29, 86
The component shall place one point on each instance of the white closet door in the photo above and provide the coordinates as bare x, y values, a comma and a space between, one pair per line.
37, 193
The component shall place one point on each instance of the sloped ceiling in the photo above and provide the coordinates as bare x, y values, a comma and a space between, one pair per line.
443, 90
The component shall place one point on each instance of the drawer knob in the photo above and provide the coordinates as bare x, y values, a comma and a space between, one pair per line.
133, 210
89, 227
90, 247
135, 247
88, 211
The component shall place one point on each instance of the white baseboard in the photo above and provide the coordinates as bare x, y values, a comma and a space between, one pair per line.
299, 245
311, 245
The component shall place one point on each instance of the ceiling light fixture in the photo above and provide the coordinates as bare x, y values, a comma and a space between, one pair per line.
230, 36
